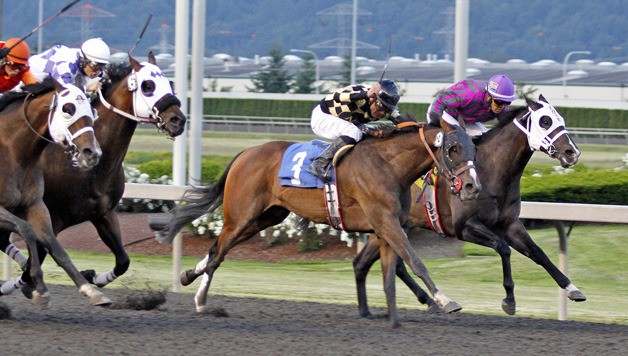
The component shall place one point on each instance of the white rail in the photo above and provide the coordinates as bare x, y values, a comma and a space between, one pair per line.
558, 212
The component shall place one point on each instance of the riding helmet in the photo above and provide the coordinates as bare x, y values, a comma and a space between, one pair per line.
20, 51
500, 87
389, 94
96, 50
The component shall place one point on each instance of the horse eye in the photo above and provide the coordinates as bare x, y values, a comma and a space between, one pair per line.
69, 109
148, 87
545, 122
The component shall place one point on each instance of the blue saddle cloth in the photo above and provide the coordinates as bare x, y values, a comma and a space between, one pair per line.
295, 161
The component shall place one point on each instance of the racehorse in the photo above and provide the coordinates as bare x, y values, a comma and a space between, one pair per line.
136, 93
374, 180
492, 220
29, 121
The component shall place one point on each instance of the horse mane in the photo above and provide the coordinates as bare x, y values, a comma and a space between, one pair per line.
32, 89
116, 72
503, 120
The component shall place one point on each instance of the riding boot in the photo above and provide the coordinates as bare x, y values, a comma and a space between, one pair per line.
320, 167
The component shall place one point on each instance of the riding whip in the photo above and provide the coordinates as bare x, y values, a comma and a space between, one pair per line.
150, 16
65, 8
387, 58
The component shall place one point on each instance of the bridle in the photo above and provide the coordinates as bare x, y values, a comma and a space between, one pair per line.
538, 137
449, 170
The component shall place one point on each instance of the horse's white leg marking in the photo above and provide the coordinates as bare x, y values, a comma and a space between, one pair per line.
200, 298
11, 286
201, 265
103, 279
441, 299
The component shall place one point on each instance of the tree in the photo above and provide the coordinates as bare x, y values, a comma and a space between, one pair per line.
304, 82
273, 78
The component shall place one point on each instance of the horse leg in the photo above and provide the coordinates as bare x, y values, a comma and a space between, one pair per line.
40, 219
390, 229
477, 233
362, 263
229, 237
108, 228
521, 241
13, 252
33, 274
389, 260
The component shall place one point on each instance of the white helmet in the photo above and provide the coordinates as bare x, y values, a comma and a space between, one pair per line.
96, 50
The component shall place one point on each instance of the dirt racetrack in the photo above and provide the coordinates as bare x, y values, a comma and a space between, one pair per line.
243, 326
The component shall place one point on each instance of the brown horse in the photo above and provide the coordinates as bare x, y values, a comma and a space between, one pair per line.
29, 121
136, 93
374, 182
492, 220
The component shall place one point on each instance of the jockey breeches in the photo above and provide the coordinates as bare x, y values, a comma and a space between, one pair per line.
331, 127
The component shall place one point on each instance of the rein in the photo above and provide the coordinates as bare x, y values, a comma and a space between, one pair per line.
452, 177
154, 119
24, 108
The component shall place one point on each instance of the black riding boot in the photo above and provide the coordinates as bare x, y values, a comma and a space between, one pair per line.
320, 166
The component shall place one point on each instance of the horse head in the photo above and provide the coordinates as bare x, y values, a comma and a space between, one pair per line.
70, 124
457, 161
546, 132
153, 98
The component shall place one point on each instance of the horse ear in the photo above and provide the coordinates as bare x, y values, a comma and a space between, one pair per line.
542, 98
151, 58
56, 85
445, 125
134, 63
533, 104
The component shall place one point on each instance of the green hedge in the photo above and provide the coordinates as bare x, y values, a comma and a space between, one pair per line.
575, 117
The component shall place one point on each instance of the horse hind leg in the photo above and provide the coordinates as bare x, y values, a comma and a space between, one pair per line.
108, 229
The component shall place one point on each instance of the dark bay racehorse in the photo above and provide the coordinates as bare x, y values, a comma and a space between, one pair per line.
492, 220
374, 182
29, 121
137, 93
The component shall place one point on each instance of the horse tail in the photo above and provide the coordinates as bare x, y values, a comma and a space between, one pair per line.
196, 201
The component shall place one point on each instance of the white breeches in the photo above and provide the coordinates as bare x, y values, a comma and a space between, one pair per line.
331, 127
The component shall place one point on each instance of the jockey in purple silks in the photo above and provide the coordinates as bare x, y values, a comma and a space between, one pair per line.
471, 102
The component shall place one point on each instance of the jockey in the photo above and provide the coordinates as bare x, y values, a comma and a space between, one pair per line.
471, 102
14, 68
341, 116
74, 65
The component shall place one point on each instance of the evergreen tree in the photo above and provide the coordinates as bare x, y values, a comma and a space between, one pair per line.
273, 78
304, 82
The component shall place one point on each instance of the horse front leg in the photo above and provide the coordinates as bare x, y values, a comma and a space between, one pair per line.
39, 217
476, 232
390, 229
389, 260
33, 274
108, 228
521, 241
362, 264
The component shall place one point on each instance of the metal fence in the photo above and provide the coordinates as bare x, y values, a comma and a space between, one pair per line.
300, 125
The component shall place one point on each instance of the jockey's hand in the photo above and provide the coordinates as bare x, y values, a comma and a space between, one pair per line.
379, 131
3, 52
93, 86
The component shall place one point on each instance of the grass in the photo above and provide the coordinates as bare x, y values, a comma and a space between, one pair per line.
149, 142
598, 262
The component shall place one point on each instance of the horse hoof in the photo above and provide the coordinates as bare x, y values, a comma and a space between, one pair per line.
187, 277
41, 300
28, 291
576, 296
452, 307
100, 301
509, 307
96, 297
366, 315
395, 324
200, 309
434, 309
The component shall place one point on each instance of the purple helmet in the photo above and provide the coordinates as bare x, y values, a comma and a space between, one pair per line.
500, 87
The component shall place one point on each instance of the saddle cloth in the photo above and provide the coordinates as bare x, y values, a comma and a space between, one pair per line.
296, 159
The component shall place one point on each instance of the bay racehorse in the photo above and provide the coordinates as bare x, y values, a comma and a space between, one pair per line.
373, 180
492, 220
42, 114
135, 93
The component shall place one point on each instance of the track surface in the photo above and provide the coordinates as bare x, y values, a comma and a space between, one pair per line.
245, 326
